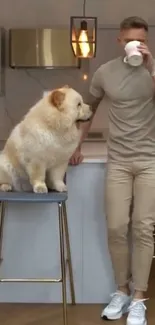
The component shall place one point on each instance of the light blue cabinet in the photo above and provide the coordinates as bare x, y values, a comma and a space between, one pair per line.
31, 244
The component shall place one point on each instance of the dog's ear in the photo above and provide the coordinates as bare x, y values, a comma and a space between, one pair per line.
56, 99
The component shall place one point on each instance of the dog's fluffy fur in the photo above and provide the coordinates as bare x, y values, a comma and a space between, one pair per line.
36, 154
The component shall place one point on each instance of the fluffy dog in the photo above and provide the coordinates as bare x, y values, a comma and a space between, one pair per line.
36, 154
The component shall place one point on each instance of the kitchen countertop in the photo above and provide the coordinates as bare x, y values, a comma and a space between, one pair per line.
94, 152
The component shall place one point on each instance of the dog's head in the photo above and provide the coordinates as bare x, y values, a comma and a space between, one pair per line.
69, 103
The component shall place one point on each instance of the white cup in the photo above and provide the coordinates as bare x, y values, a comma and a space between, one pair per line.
133, 56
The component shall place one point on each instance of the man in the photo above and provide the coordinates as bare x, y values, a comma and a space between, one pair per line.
130, 169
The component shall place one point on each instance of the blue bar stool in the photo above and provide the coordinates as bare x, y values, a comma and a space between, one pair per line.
60, 200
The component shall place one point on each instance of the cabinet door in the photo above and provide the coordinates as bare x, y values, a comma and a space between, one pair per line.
86, 210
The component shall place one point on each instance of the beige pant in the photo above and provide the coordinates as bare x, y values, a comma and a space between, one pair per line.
122, 182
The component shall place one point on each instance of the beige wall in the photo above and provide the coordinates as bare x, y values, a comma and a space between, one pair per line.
47, 12
22, 90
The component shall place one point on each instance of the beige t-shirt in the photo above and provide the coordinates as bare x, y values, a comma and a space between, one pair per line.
131, 111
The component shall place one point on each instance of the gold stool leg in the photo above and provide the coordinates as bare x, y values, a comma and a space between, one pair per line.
2, 214
63, 262
69, 259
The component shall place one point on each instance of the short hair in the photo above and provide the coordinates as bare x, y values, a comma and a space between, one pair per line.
134, 22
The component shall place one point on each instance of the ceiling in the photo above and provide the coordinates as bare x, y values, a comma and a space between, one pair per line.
18, 13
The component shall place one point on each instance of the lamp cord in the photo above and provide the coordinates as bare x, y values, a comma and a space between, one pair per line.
84, 8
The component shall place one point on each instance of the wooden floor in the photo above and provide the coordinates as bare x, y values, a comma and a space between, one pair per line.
36, 314
52, 315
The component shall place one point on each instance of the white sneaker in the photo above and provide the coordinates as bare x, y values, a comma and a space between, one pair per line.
137, 313
118, 306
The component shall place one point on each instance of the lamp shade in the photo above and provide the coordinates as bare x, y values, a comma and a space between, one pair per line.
83, 36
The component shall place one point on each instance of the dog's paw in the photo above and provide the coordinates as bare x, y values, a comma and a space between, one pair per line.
60, 186
5, 187
40, 188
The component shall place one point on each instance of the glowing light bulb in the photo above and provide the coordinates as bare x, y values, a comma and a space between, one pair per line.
85, 76
83, 43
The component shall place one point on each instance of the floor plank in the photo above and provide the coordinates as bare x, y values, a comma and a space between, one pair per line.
38, 314
48, 314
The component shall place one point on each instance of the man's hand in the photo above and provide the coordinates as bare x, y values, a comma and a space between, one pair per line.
76, 158
148, 58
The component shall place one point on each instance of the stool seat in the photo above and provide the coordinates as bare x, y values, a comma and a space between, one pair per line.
51, 196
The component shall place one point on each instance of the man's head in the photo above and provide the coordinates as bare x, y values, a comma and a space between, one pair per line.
133, 29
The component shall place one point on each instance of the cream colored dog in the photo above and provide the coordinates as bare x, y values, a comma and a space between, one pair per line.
37, 153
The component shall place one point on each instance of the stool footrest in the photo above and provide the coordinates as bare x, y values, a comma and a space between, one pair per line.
32, 280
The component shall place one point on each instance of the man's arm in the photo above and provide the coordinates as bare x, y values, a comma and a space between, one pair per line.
77, 157
148, 60
153, 77
96, 94
85, 126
